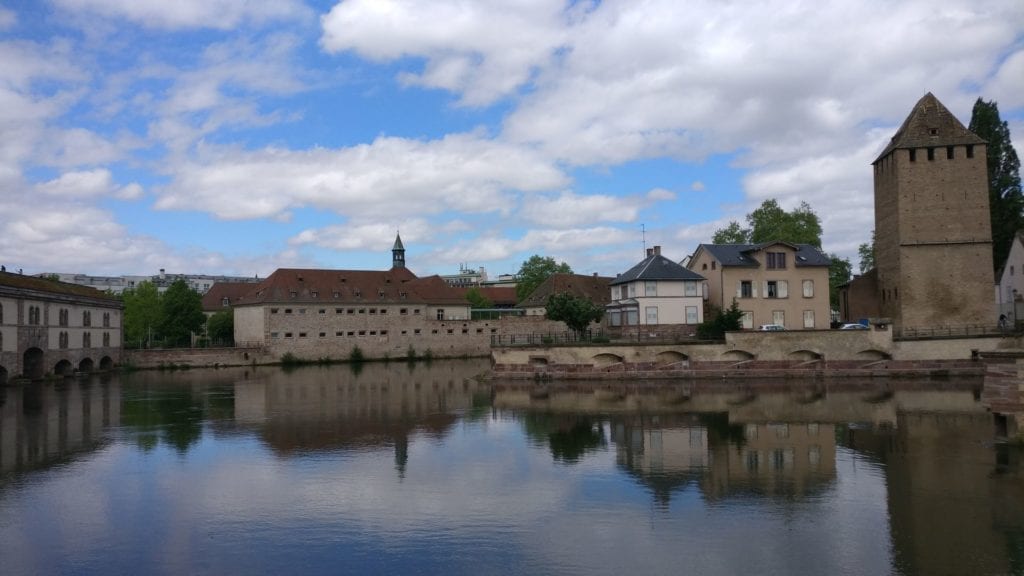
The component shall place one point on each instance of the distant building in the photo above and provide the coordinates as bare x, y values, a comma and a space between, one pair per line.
858, 298
593, 288
656, 292
201, 283
466, 277
773, 282
1010, 288
933, 243
224, 295
50, 327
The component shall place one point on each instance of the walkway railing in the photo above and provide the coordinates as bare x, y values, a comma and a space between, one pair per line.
908, 333
547, 338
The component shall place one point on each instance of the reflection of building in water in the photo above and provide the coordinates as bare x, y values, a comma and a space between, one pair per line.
44, 424
664, 452
952, 511
780, 458
380, 406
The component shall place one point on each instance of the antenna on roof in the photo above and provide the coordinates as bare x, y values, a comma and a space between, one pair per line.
643, 236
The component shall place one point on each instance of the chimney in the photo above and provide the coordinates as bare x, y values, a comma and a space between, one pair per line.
595, 274
650, 252
657, 250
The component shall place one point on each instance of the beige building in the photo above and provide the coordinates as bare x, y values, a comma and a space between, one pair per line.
51, 327
933, 244
773, 283
1010, 288
656, 292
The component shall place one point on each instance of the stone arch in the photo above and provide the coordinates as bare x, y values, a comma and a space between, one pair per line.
872, 354
804, 355
3, 375
86, 365
737, 354
63, 368
606, 359
671, 357
538, 360
106, 363
32, 364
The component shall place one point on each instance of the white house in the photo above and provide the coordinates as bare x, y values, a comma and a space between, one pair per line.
657, 291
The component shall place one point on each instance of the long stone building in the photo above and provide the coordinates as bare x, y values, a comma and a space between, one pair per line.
55, 328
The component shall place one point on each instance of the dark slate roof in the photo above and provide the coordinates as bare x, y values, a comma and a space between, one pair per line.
930, 124
593, 288
398, 243
739, 255
656, 267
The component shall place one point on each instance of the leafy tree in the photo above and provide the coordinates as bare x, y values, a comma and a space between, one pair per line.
576, 312
477, 299
536, 270
839, 270
1006, 202
182, 313
142, 313
770, 222
720, 322
867, 254
221, 326
731, 234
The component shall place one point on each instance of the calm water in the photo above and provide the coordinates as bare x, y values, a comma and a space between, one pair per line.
402, 469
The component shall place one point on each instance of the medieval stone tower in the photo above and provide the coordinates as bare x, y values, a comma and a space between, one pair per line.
933, 239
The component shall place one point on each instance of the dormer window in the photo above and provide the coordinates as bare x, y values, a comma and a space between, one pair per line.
225, 302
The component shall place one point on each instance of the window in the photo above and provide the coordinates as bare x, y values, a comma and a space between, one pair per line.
87, 340
287, 310
323, 334
339, 310
650, 288
970, 150
690, 289
373, 310
704, 266
440, 313
287, 334
322, 311
302, 310
403, 311
615, 318
631, 290
779, 317
714, 265
776, 260
776, 289
415, 311
808, 288
273, 310
302, 334
106, 319
106, 339
314, 294
293, 294
808, 318
747, 319
931, 154
275, 335
691, 315
746, 289
949, 152
616, 292
913, 155
225, 302
62, 317
62, 340
86, 318
651, 312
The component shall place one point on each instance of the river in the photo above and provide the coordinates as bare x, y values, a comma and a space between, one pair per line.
428, 469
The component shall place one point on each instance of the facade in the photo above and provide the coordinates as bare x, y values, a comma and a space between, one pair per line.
773, 282
466, 277
224, 295
655, 292
201, 283
1010, 288
858, 298
593, 288
933, 244
49, 327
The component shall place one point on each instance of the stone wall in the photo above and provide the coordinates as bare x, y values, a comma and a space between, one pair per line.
197, 357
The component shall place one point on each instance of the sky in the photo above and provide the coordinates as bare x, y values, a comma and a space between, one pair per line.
238, 136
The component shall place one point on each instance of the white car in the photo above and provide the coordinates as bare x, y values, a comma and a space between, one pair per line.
771, 327
853, 327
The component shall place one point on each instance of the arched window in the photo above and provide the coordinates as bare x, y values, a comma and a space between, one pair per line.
106, 319
87, 340
106, 339
86, 318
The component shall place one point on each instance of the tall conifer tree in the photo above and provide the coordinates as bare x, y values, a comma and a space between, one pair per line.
1006, 202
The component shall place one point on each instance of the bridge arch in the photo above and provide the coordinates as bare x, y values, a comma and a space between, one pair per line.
738, 355
606, 359
86, 365
106, 363
872, 354
32, 364
63, 368
671, 357
804, 355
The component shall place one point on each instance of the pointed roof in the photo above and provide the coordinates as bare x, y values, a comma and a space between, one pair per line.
656, 267
741, 255
930, 124
593, 288
398, 243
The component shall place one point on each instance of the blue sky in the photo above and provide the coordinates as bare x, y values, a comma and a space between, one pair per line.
236, 137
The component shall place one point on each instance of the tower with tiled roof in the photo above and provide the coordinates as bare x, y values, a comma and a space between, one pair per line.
398, 253
933, 245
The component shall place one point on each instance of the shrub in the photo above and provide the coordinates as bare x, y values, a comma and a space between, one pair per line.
356, 355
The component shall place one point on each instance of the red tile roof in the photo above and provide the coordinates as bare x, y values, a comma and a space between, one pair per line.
395, 286
593, 288
54, 287
213, 300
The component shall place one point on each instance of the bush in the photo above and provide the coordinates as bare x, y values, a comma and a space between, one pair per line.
289, 359
356, 355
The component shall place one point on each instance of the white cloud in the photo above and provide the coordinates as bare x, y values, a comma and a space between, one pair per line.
218, 14
88, 184
7, 18
568, 209
1007, 85
697, 186
375, 236
388, 178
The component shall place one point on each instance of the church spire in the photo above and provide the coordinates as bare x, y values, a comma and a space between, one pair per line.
398, 253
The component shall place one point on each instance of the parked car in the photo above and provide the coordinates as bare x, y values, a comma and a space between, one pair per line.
771, 327
853, 327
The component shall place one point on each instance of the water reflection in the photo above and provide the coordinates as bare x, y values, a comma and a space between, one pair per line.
428, 469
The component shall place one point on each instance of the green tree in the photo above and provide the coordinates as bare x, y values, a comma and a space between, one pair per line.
536, 270
1006, 203
576, 312
477, 299
867, 254
769, 222
182, 313
220, 327
142, 314
839, 270
731, 234
721, 321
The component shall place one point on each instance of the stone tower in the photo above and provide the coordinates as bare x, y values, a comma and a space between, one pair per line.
398, 253
933, 238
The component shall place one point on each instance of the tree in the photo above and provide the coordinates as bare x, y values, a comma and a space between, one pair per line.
720, 322
769, 222
1006, 203
576, 312
182, 313
536, 270
221, 326
867, 254
839, 270
477, 299
142, 314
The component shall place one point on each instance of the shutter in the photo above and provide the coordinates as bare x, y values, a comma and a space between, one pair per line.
766, 289
783, 289
739, 289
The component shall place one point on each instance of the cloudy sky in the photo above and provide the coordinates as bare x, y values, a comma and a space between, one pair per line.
235, 136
